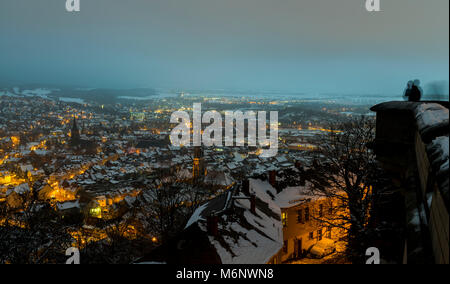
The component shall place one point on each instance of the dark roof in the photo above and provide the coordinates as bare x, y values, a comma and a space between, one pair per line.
192, 246
152, 143
215, 205
398, 106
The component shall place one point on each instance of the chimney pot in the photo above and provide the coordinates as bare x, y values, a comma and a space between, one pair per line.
273, 178
212, 225
253, 204
246, 187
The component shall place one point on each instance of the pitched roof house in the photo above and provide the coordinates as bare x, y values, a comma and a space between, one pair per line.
241, 226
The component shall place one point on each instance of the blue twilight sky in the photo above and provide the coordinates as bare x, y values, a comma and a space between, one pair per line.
294, 45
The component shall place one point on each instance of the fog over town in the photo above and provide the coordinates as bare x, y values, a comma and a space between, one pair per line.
90, 171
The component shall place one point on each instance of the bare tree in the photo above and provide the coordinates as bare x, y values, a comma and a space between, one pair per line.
165, 210
345, 173
34, 233
170, 202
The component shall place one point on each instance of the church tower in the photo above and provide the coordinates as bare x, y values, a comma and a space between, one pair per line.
75, 133
199, 169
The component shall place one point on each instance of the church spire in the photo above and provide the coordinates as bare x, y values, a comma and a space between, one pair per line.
199, 168
75, 133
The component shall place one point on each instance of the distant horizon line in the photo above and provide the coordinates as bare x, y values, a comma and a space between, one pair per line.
180, 90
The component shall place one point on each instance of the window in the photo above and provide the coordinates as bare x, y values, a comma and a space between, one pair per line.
329, 232
285, 247
319, 234
320, 210
311, 235
284, 219
307, 214
299, 216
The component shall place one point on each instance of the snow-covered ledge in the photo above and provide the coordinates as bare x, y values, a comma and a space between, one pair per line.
411, 134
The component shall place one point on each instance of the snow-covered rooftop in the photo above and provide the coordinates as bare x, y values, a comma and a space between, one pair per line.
245, 237
292, 196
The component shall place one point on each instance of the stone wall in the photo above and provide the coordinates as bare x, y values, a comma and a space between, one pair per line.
406, 145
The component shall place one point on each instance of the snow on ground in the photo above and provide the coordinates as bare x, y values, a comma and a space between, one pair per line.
7, 94
335, 257
323, 247
37, 92
72, 100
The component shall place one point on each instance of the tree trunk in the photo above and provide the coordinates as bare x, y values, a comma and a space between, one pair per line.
356, 242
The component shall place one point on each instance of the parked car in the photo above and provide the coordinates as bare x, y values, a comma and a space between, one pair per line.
322, 248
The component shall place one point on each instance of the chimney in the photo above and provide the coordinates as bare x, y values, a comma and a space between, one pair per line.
213, 225
246, 187
302, 181
253, 204
273, 178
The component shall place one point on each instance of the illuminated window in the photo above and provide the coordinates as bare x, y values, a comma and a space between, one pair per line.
95, 211
284, 219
